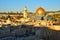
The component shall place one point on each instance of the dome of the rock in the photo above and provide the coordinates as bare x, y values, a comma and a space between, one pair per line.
40, 11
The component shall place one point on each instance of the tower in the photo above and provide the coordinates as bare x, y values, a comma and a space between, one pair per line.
25, 12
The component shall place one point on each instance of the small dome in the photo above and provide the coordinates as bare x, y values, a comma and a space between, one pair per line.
40, 11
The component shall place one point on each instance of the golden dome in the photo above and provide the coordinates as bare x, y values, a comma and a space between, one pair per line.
40, 11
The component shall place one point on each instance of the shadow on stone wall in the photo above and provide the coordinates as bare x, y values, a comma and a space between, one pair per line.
26, 32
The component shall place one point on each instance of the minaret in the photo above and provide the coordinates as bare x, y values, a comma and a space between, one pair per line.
25, 12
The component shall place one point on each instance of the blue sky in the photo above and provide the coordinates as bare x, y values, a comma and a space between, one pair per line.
32, 5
